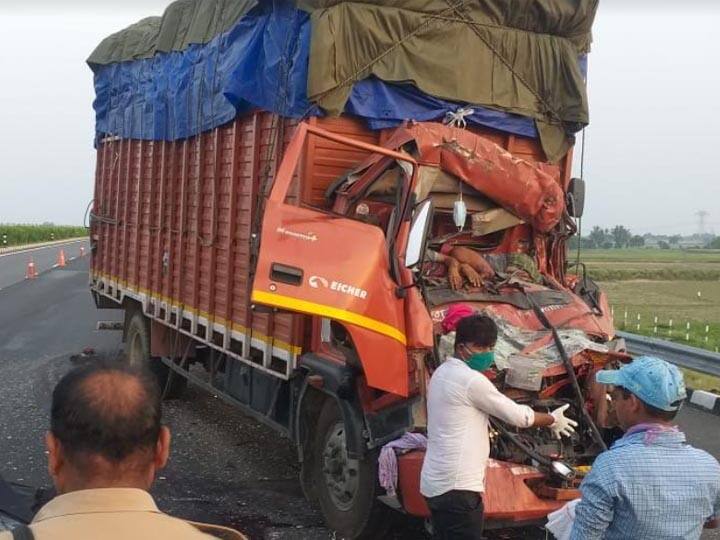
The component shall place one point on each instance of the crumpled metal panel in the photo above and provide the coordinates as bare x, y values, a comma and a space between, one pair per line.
529, 190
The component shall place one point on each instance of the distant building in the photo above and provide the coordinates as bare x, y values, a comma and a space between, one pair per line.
677, 241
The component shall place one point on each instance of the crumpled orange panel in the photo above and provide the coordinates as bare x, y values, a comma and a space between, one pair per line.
529, 190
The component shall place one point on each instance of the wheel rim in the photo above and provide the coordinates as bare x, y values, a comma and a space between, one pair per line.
135, 351
340, 472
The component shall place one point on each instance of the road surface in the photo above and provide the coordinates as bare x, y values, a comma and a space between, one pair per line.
224, 468
13, 266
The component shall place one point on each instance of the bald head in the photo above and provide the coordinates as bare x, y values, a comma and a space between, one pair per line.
106, 410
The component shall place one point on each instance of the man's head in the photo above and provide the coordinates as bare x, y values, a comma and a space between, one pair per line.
646, 390
105, 429
475, 334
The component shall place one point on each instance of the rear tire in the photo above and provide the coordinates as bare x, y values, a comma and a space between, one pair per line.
346, 489
137, 345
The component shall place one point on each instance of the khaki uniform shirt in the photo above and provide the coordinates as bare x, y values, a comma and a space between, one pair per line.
111, 513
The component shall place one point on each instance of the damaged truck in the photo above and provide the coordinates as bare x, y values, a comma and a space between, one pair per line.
274, 181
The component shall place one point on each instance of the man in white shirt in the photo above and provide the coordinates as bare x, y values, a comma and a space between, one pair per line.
460, 401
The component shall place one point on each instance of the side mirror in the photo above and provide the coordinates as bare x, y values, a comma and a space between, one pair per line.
575, 197
418, 233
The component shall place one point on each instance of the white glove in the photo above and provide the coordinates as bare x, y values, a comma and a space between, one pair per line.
562, 425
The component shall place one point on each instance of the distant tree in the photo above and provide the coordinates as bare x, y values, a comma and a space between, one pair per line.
584, 242
607, 244
715, 243
663, 244
621, 236
637, 241
597, 236
674, 239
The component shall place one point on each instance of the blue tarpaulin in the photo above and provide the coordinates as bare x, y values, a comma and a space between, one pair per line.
262, 61
386, 105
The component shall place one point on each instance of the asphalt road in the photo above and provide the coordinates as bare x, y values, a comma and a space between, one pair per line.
13, 266
224, 468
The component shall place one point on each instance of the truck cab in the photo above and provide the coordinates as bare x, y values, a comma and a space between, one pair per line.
360, 267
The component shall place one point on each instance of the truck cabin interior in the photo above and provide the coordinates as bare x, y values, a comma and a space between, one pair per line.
375, 196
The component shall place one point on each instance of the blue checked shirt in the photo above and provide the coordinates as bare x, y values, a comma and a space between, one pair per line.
650, 485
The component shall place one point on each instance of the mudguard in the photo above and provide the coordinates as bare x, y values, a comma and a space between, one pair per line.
338, 383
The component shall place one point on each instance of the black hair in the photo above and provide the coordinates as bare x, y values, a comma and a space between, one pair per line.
653, 412
108, 409
478, 330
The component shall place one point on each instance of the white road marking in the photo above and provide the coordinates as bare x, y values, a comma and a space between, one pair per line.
41, 247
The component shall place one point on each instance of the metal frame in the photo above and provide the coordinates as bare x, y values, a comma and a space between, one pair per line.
246, 409
119, 293
684, 356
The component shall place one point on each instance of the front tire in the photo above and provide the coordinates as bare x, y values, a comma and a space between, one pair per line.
137, 346
346, 489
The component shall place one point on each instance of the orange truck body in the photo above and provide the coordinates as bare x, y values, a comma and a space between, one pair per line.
225, 240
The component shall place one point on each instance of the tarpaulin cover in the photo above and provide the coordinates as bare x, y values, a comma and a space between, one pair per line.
184, 23
261, 61
512, 55
170, 78
386, 105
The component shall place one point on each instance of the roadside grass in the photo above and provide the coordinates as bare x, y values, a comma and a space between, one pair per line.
19, 234
700, 381
645, 255
671, 300
651, 264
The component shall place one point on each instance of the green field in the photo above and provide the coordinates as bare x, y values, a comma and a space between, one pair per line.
663, 285
18, 234
651, 264
649, 255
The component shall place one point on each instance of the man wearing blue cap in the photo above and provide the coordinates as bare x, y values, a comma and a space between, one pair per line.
650, 484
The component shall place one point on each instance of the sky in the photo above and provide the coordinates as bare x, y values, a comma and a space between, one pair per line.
651, 150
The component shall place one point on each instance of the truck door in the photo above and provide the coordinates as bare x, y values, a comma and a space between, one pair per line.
322, 264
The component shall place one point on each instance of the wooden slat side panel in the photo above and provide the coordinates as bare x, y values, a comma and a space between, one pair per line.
244, 182
131, 212
147, 181
185, 213
223, 228
206, 218
269, 138
98, 227
325, 161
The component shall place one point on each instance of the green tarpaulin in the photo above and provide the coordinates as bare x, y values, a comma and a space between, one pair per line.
185, 22
519, 56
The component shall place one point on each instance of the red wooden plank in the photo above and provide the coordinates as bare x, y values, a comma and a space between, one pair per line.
156, 283
213, 231
138, 216
182, 235
128, 169
98, 260
195, 267
169, 244
234, 194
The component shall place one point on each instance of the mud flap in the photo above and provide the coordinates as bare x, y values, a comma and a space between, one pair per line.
337, 384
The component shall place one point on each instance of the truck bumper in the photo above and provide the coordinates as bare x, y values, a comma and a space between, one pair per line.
508, 497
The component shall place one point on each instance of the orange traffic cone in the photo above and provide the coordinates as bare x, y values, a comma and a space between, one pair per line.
61, 258
31, 273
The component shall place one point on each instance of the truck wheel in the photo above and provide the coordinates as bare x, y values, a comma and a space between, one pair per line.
138, 354
347, 489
